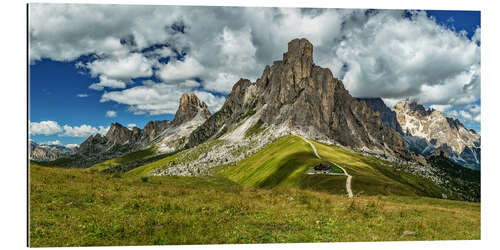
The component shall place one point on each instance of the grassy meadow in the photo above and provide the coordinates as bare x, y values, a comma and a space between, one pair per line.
78, 207
265, 198
285, 162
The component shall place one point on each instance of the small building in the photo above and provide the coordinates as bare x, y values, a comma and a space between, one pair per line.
323, 168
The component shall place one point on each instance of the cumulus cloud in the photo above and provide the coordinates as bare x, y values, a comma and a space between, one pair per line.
52, 128
158, 98
180, 70
82, 95
126, 67
83, 130
110, 113
131, 125
104, 81
385, 53
390, 56
44, 128
441, 108
56, 142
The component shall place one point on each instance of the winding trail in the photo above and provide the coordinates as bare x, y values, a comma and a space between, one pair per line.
349, 177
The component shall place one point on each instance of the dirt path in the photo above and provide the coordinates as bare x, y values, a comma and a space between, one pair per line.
349, 177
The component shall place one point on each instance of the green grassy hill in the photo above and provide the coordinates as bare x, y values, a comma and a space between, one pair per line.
126, 159
285, 162
80, 207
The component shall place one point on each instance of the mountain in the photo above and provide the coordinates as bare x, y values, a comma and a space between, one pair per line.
428, 132
47, 152
388, 116
166, 136
296, 96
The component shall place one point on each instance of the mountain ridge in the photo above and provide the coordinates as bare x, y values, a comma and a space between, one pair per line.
430, 132
296, 93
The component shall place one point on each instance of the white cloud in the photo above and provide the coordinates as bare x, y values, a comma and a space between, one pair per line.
477, 118
452, 113
44, 128
131, 125
441, 108
394, 57
466, 115
83, 130
381, 53
110, 113
82, 95
71, 145
56, 142
123, 68
180, 70
104, 81
158, 98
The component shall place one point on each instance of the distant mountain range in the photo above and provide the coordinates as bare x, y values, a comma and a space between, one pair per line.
48, 152
429, 132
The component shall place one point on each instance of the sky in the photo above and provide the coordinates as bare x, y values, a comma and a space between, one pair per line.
91, 65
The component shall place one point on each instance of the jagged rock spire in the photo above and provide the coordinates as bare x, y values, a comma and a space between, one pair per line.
300, 56
189, 106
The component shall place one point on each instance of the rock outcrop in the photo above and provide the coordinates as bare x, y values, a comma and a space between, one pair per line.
189, 106
167, 135
307, 98
430, 132
388, 116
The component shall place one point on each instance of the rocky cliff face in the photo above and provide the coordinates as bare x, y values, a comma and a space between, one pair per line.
166, 134
43, 152
388, 116
296, 93
189, 106
428, 131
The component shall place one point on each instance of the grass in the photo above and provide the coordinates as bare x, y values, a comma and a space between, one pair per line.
79, 207
285, 162
372, 176
128, 158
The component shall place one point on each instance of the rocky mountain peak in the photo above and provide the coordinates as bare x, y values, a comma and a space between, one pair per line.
427, 131
118, 134
189, 106
412, 106
300, 57
297, 94
298, 50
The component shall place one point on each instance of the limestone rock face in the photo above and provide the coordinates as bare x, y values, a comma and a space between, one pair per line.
388, 116
118, 134
189, 105
308, 98
120, 140
428, 131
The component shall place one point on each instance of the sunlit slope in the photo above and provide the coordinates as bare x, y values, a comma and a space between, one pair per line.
372, 176
79, 207
285, 162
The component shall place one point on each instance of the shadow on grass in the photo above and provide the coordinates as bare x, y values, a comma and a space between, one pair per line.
287, 167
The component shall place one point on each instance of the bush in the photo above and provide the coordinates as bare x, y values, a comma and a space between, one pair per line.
144, 179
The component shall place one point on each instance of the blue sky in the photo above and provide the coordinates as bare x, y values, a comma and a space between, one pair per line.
136, 70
